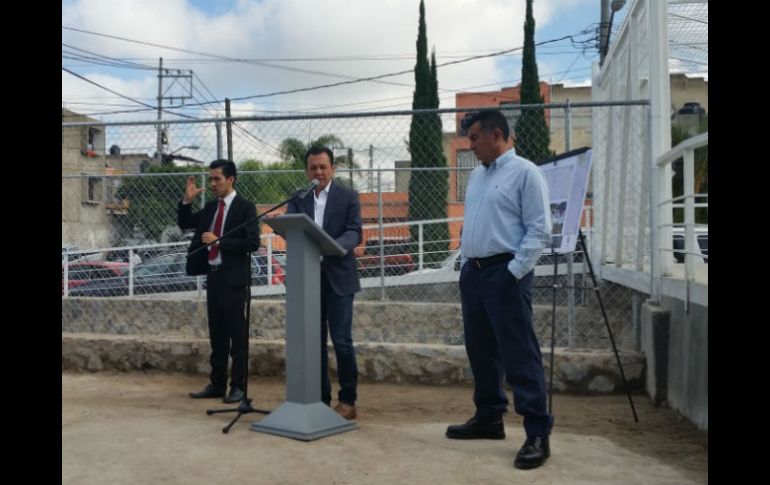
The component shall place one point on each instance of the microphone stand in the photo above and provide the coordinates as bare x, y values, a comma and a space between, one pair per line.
244, 407
300, 194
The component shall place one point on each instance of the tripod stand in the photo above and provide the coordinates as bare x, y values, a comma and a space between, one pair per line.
556, 286
245, 407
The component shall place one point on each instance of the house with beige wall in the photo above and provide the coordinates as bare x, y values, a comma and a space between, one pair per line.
90, 214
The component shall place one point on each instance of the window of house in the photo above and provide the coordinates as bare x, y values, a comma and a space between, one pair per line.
92, 189
94, 142
465, 160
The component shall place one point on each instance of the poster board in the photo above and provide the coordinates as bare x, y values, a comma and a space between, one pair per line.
567, 177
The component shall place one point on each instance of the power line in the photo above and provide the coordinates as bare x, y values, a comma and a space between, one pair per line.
122, 95
233, 59
451, 91
118, 62
313, 88
236, 125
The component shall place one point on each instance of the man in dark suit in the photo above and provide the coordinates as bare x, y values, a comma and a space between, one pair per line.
228, 269
337, 210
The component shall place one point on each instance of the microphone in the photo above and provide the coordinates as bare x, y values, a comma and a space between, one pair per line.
303, 192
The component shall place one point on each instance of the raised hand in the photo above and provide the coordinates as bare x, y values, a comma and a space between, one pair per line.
191, 191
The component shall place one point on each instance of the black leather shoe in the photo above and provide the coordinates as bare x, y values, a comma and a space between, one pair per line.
209, 391
533, 453
235, 395
474, 430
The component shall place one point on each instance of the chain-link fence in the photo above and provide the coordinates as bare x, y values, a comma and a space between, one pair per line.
119, 200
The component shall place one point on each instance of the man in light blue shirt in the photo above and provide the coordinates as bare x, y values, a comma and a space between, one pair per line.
507, 224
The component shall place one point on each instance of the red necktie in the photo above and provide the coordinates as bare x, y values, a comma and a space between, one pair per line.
217, 229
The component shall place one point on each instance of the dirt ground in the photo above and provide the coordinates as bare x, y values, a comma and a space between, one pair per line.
142, 428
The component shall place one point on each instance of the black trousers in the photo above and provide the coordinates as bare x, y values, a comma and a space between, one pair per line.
227, 330
501, 344
337, 321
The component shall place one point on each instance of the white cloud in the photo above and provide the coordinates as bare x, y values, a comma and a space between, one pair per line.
304, 29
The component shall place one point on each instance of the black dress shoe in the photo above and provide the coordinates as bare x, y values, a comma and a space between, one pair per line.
474, 429
235, 395
533, 453
209, 391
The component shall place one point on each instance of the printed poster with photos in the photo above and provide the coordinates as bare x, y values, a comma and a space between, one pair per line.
567, 178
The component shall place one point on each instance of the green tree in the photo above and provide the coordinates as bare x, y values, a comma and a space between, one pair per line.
153, 199
268, 184
293, 151
427, 189
532, 137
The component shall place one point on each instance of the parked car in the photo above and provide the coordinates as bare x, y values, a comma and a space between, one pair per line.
397, 257
167, 273
259, 268
692, 108
68, 250
701, 235
161, 274
82, 272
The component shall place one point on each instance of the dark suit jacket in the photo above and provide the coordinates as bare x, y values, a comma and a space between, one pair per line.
233, 248
342, 221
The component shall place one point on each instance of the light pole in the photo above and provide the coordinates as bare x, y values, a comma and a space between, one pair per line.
170, 157
606, 26
191, 147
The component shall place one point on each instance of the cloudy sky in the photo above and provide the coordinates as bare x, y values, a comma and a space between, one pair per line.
253, 49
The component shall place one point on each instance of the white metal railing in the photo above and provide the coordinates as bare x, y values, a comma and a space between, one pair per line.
662, 233
70, 256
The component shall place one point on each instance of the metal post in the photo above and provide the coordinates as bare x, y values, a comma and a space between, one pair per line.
419, 244
350, 166
371, 166
379, 217
690, 244
66, 283
568, 126
218, 126
570, 298
636, 305
130, 272
571, 312
203, 194
270, 260
660, 141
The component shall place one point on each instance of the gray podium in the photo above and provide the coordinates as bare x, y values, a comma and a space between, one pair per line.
303, 415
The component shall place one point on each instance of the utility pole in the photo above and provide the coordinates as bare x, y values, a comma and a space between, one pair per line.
229, 126
174, 74
159, 147
218, 125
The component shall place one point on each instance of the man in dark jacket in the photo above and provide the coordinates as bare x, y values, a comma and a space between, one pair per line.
228, 269
337, 210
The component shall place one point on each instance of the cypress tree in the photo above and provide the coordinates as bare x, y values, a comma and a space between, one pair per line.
532, 137
427, 189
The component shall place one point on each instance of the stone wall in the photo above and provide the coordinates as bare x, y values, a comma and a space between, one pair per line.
434, 364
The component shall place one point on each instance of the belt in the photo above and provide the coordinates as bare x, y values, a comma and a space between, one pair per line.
490, 260
214, 267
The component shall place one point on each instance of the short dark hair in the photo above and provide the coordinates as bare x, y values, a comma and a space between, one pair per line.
227, 166
490, 119
317, 150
